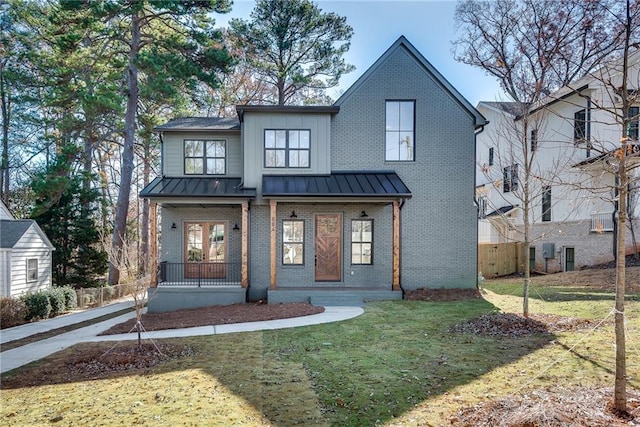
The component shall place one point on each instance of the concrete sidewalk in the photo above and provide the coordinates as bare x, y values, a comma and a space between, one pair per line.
20, 356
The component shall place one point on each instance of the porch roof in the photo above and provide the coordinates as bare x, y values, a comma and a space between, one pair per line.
197, 187
372, 184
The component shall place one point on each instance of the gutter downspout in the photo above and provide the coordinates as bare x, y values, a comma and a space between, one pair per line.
476, 132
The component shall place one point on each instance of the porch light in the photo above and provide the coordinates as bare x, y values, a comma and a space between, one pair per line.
364, 214
293, 215
173, 225
235, 227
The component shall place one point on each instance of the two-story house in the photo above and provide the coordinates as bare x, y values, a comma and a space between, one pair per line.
569, 139
360, 200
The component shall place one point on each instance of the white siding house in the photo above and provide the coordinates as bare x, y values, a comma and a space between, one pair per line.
571, 135
25, 256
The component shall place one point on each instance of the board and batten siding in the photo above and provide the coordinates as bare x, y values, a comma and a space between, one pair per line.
173, 151
253, 139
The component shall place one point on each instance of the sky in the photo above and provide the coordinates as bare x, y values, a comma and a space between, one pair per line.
377, 24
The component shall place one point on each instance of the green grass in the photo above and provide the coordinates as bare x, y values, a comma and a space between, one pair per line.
397, 364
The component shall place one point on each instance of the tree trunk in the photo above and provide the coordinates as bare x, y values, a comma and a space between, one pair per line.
144, 240
620, 388
4, 160
126, 173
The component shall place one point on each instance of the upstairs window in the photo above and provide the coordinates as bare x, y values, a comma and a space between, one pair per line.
483, 203
510, 178
546, 204
400, 130
204, 157
632, 128
534, 140
491, 156
580, 127
287, 148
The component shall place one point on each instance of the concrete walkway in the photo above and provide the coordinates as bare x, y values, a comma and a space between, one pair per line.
28, 353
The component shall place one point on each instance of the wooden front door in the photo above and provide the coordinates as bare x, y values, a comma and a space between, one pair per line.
205, 250
328, 254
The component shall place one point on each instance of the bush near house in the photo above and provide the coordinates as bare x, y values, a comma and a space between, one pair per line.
38, 305
12, 312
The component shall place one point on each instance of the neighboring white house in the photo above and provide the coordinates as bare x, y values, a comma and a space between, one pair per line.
25, 255
571, 135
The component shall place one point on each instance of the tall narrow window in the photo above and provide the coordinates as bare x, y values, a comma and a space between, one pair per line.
491, 156
510, 178
32, 269
546, 204
400, 131
287, 148
482, 207
534, 140
204, 157
632, 128
361, 241
293, 242
579, 127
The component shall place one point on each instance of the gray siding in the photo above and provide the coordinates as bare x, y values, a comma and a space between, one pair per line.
253, 140
173, 151
439, 225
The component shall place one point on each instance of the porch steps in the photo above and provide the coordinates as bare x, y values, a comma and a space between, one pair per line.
331, 296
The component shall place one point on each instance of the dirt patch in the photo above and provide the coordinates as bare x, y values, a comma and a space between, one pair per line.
515, 325
555, 406
216, 315
442, 294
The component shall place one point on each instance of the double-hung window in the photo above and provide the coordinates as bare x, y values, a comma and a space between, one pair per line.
632, 128
400, 131
32, 269
490, 156
204, 157
287, 148
546, 204
580, 127
510, 178
362, 241
293, 242
534, 140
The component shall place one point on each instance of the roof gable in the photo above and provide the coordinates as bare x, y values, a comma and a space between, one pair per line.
11, 231
403, 43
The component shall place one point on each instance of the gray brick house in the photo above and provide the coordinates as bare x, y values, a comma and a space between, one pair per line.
360, 200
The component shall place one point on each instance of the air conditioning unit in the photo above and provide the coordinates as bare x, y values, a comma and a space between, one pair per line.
548, 250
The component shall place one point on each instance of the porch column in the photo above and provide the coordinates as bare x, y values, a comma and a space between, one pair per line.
272, 205
245, 245
395, 284
153, 245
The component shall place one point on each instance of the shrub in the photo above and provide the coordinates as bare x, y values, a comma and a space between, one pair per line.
57, 300
70, 297
13, 312
38, 305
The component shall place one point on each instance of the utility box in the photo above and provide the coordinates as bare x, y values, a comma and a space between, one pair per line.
548, 250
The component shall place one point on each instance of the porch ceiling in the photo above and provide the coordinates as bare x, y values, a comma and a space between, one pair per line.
355, 186
197, 190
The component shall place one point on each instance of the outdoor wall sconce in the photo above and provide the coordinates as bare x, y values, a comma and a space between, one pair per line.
173, 225
364, 215
235, 227
293, 215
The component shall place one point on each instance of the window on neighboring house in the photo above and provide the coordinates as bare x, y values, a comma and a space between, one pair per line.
400, 131
32, 269
287, 148
632, 129
580, 127
204, 157
546, 204
491, 156
362, 241
534, 140
483, 202
510, 178
293, 242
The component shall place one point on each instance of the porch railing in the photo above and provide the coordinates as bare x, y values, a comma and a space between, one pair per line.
199, 273
601, 221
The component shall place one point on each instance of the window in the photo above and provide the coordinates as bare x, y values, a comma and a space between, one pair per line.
491, 156
546, 204
580, 127
293, 242
32, 269
286, 148
534, 140
204, 157
632, 129
510, 178
400, 132
361, 241
482, 207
